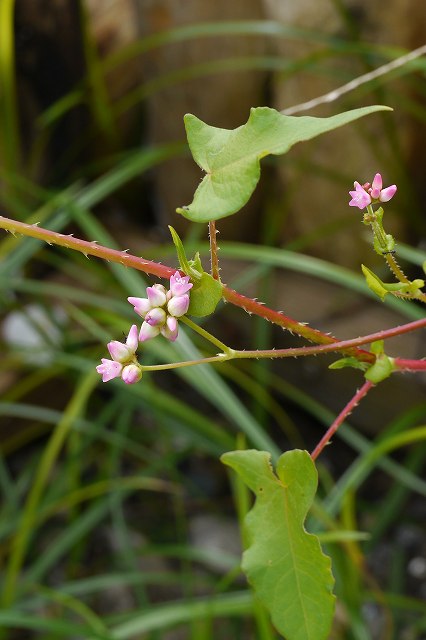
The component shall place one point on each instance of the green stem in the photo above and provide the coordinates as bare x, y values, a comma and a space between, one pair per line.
382, 243
208, 336
221, 357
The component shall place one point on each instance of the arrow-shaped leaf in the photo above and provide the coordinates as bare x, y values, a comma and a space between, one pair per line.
231, 157
284, 564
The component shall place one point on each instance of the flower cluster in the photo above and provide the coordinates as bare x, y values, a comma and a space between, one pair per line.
160, 311
365, 194
123, 361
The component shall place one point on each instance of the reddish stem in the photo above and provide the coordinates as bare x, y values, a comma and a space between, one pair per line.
360, 394
347, 346
327, 342
410, 365
88, 248
214, 257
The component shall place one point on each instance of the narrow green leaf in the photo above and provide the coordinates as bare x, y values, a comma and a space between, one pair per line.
284, 564
181, 254
231, 157
348, 362
383, 288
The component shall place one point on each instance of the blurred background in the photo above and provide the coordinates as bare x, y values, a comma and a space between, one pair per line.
117, 518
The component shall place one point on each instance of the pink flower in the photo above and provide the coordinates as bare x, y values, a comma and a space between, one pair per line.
140, 305
156, 295
123, 352
179, 284
109, 369
170, 329
148, 331
360, 197
159, 310
378, 193
178, 305
131, 374
156, 316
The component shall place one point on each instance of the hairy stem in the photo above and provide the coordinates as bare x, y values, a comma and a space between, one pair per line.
409, 365
327, 343
214, 249
360, 394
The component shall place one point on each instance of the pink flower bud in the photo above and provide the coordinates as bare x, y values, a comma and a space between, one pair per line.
123, 352
378, 193
156, 295
132, 339
178, 305
171, 329
388, 193
147, 332
109, 369
119, 351
360, 198
376, 187
179, 284
140, 305
156, 316
131, 374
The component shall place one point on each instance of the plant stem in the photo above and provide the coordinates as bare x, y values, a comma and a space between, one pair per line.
344, 345
360, 394
87, 248
221, 357
214, 249
409, 365
327, 343
382, 241
208, 336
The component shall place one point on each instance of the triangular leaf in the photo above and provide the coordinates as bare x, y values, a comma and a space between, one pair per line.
205, 296
284, 564
231, 157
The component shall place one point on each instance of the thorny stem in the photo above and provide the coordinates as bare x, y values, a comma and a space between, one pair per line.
360, 394
325, 343
230, 354
87, 248
409, 365
343, 345
214, 249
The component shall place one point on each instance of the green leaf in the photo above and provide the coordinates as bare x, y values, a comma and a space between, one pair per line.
205, 296
284, 564
350, 361
383, 288
187, 266
231, 157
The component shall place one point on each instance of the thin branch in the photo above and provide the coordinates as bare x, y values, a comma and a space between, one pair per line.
360, 394
214, 250
344, 345
357, 82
